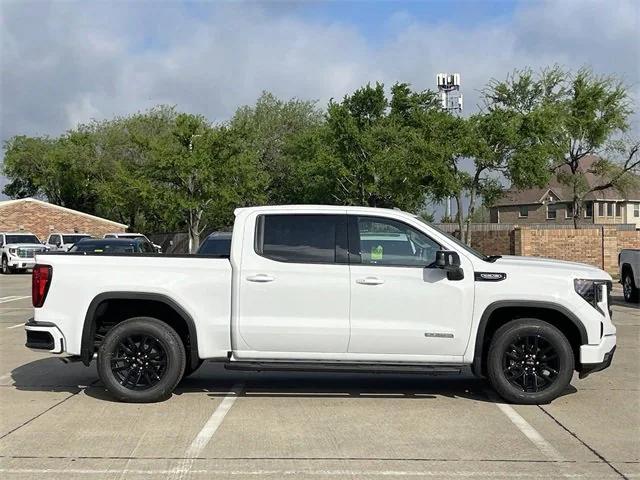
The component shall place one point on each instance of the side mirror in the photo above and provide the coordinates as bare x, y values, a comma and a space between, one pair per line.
450, 262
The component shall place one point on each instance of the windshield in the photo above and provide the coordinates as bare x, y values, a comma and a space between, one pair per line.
74, 238
458, 242
215, 246
22, 239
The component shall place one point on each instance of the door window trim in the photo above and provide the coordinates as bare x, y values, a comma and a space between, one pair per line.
340, 248
354, 231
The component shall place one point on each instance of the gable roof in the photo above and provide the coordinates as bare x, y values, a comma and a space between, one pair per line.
6, 203
563, 193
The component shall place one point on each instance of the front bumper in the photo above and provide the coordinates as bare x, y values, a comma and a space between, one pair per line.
594, 358
19, 262
44, 336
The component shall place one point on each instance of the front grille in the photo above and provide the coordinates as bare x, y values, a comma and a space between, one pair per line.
29, 252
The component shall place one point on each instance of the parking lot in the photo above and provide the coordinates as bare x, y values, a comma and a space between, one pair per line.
58, 422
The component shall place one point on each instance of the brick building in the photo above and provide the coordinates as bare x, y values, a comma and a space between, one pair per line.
553, 204
42, 218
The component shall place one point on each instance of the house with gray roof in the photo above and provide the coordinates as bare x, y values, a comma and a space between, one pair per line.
554, 204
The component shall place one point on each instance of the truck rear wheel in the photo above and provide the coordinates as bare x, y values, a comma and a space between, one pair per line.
141, 360
530, 362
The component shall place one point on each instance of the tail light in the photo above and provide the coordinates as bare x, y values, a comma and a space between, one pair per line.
40, 281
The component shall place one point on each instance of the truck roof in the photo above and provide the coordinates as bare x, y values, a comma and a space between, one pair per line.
323, 208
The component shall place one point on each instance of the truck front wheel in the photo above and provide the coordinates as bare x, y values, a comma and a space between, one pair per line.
530, 361
141, 360
6, 269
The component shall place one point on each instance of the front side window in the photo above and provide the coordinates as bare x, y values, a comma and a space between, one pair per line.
636, 210
387, 242
618, 209
602, 208
551, 212
609, 209
302, 238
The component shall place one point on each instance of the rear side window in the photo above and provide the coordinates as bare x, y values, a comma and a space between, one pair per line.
302, 238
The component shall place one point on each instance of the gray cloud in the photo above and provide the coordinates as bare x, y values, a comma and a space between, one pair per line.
64, 63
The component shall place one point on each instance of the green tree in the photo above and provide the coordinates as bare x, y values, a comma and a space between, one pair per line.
573, 117
267, 128
61, 169
201, 172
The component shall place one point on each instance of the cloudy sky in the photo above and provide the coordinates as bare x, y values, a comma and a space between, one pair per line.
65, 62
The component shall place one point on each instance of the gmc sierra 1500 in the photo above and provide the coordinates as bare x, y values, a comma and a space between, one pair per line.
326, 288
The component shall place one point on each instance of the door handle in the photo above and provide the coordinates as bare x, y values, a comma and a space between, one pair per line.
261, 278
370, 281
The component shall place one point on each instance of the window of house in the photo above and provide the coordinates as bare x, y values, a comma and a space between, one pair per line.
568, 212
602, 209
618, 209
300, 238
636, 210
523, 211
609, 209
551, 212
588, 210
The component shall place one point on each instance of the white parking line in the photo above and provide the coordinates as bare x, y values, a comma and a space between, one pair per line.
13, 298
531, 433
16, 326
303, 472
204, 436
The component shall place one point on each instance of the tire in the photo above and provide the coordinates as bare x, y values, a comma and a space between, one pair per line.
523, 356
189, 370
629, 287
6, 269
141, 360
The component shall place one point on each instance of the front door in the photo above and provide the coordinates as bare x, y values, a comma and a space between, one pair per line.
294, 287
402, 305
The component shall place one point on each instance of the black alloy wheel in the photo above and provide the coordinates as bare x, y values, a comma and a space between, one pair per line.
629, 288
139, 362
531, 363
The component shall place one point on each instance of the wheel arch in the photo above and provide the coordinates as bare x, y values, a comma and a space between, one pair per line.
135, 301
501, 312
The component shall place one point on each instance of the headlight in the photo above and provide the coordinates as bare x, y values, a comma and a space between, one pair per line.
13, 251
591, 291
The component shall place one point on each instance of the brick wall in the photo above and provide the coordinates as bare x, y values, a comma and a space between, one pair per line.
595, 246
501, 242
42, 218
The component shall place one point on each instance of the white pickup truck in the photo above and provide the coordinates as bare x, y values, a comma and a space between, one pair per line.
326, 288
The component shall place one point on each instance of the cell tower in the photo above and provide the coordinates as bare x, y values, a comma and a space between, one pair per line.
449, 88
451, 98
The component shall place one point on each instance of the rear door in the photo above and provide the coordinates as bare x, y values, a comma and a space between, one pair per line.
293, 286
401, 304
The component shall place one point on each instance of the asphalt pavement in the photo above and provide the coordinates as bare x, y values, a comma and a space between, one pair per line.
58, 422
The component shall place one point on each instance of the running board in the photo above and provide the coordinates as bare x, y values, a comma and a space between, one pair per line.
432, 369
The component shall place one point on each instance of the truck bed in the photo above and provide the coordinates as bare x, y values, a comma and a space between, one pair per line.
200, 284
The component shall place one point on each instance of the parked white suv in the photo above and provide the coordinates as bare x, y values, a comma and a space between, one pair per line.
339, 289
18, 250
64, 241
